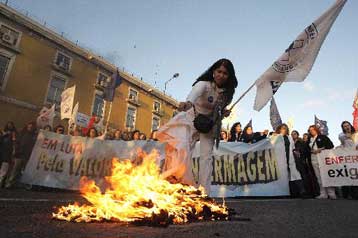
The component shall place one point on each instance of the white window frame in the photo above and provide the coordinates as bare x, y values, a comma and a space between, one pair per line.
16, 30
54, 74
135, 117
160, 106
153, 123
12, 57
129, 93
97, 92
63, 53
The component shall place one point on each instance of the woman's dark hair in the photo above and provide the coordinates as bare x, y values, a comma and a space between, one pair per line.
143, 135
352, 128
298, 134
89, 132
278, 129
59, 127
10, 128
24, 129
244, 132
233, 129
48, 126
152, 135
231, 82
125, 136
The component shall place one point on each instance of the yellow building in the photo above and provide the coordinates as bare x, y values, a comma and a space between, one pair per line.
37, 64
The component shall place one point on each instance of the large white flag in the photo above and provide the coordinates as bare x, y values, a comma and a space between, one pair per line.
67, 98
296, 62
46, 117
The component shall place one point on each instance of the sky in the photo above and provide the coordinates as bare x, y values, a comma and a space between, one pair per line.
154, 39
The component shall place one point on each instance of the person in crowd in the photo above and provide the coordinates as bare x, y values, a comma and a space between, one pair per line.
295, 179
47, 128
77, 131
108, 135
142, 136
60, 129
235, 132
23, 149
8, 141
314, 181
117, 135
153, 135
306, 138
319, 142
302, 155
135, 135
92, 133
250, 137
349, 139
223, 136
214, 89
125, 136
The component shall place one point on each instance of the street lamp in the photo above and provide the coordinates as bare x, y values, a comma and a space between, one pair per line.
176, 75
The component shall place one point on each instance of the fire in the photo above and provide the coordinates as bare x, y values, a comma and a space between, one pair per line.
135, 192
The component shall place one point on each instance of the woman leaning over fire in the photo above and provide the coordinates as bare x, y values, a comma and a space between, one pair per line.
198, 117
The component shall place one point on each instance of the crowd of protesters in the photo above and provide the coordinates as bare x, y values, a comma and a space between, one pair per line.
301, 152
16, 145
301, 155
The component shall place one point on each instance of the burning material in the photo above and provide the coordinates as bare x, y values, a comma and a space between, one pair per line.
136, 193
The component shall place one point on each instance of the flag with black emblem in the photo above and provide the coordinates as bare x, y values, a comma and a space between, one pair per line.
296, 62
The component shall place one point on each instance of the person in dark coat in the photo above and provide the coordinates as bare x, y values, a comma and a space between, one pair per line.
8, 140
235, 132
302, 157
250, 137
23, 150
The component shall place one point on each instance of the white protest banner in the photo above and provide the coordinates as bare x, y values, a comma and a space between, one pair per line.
67, 98
339, 167
59, 161
239, 169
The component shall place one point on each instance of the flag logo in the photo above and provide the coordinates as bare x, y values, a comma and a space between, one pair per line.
275, 86
293, 54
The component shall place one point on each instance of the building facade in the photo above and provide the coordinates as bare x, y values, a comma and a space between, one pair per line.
37, 64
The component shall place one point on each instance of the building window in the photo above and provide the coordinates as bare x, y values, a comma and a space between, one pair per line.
4, 64
102, 79
175, 112
9, 36
130, 119
63, 61
57, 85
156, 106
155, 123
98, 105
133, 95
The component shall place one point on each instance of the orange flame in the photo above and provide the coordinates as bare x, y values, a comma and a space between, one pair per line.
138, 193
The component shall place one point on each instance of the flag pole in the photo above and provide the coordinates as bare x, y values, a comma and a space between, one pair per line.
241, 97
109, 115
